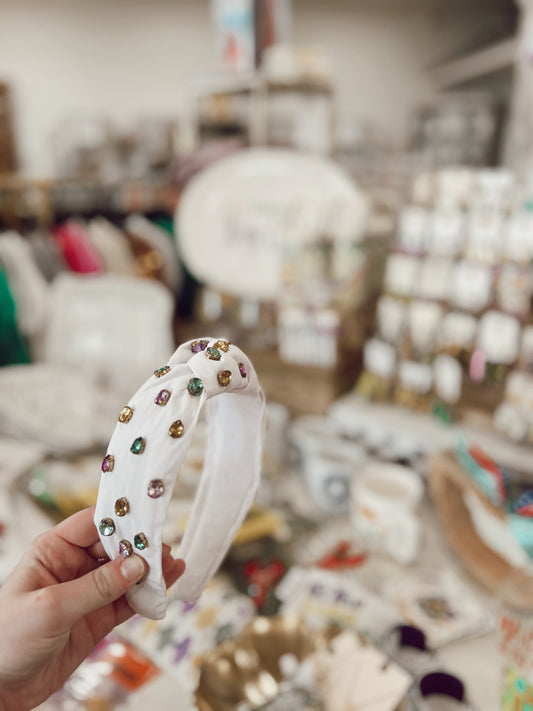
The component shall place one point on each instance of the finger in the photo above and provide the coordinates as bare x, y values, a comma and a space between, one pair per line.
78, 529
172, 570
97, 551
100, 587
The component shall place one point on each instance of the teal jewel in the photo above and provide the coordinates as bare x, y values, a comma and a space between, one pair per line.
213, 353
162, 371
140, 542
521, 684
106, 527
195, 386
138, 446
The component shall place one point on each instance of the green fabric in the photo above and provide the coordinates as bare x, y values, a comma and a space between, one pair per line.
166, 223
12, 347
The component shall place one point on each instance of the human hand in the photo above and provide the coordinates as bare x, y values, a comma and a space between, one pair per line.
58, 603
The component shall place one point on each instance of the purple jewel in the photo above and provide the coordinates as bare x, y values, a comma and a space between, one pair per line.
162, 397
181, 649
242, 370
108, 463
125, 548
197, 346
155, 489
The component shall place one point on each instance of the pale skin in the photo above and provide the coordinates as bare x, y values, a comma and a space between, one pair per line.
58, 603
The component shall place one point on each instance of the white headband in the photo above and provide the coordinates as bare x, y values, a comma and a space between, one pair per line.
146, 452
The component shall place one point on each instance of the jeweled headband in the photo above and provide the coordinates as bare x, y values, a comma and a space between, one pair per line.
146, 452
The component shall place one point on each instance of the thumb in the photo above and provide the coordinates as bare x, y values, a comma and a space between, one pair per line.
101, 586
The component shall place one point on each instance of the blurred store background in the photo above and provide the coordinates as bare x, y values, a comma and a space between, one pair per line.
345, 190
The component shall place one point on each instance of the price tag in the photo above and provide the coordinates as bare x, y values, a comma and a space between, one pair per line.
424, 320
424, 188
413, 229
458, 330
495, 188
498, 337
447, 233
518, 243
514, 289
448, 377
401, 274
391, 317
435, 274
518, 388
471, 286
379, 358
486, 236
454, 187
417, 377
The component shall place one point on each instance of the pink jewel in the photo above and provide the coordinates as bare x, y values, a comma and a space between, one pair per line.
478, 365
197, 346
108, 463
242, 370
162, 397
155, 489
125, 548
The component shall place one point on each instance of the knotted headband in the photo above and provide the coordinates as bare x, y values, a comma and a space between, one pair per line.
146, 452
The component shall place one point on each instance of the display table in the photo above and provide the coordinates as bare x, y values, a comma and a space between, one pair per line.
474, 659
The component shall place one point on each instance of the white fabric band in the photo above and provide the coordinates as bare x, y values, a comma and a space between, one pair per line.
146, 452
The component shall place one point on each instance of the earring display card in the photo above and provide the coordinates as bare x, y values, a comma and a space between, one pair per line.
440, 605
352, 675
458, 283
322, 597
391, 314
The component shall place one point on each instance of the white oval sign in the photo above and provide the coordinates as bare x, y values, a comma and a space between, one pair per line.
236, 218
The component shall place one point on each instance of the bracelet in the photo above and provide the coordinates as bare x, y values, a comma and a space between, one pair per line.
146, 452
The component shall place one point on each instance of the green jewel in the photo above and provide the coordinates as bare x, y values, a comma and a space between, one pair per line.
106, 527
521, 684
140, 542
213, 353
138, 446
195, 387
162, 371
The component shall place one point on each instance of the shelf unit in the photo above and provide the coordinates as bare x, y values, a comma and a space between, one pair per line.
258, 93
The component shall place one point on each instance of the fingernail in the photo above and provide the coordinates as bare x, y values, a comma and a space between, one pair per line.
132, 568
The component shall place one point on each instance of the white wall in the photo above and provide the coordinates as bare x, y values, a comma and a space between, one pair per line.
122, 58
381, 50
128, 59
